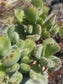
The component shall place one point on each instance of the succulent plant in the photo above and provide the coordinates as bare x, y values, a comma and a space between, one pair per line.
4, 80
47, 62
30, 44
24, 52
50, 46
37, 3
12, 58
14, 36
24, 68
31, 13
20, 51
50, 28
36, 74
16, 78
30, 29
20, 16
20, 44
28, 57
35, 22
2, 70
5, 45
47, 55
57, 61
38, 51
13, 68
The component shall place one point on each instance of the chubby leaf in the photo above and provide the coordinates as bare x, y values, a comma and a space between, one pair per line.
5, 45
38, 51
2, 70
31, 14
19, 14
35, 37
16, 76
30, 44
51, 49
49, 40
37, 3
58, 63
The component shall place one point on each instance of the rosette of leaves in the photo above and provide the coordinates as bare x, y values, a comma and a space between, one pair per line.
26, 56
32, 21
49, 55
44, 59
15, 61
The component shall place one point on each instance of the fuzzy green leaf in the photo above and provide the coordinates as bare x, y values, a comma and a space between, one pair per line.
30, 44
51, 49
37, 3
19, 14
31, 14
